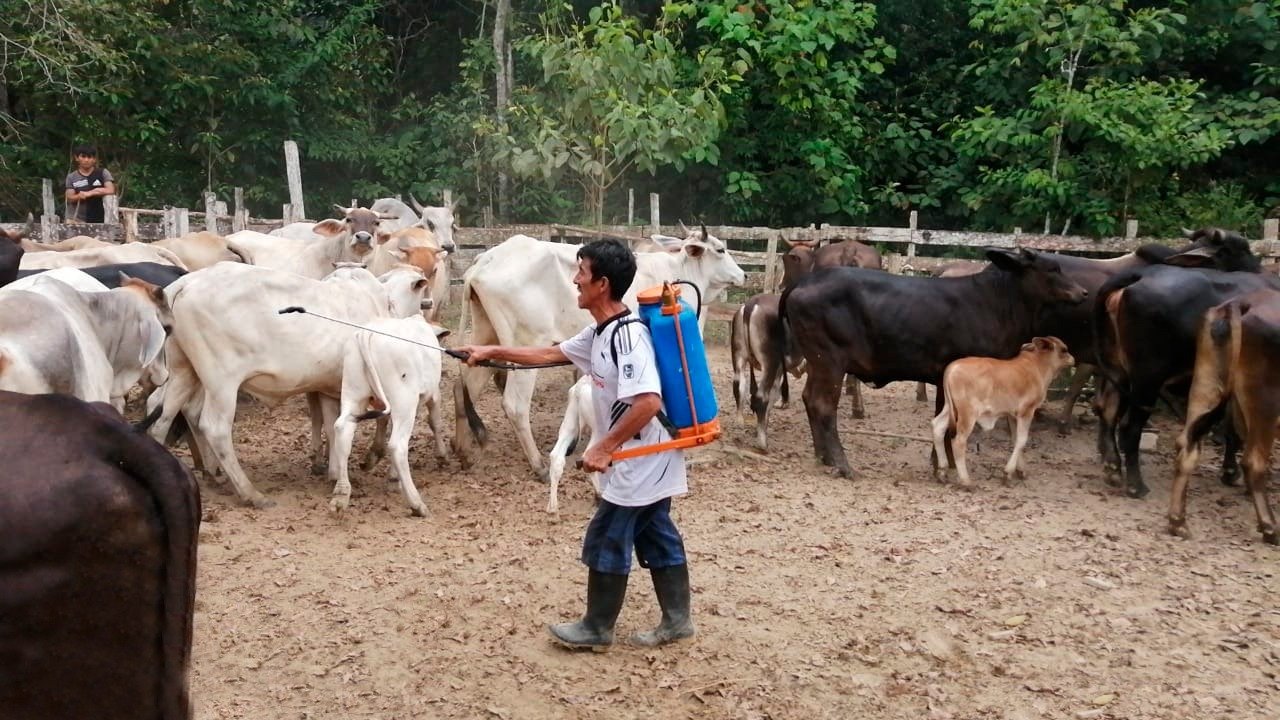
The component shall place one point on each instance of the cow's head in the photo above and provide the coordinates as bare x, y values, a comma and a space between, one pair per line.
407, 291
1039, 275
438, 220
423, 259
156, 316
17, 236
706, 258
1052, 351
796, 263
361, 227
1218, 249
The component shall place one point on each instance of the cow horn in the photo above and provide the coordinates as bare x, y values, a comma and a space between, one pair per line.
1188, 233
706, 236
341, 209
416, 205
683, 229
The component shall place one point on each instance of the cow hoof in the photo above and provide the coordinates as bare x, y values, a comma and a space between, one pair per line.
553, 507
1137, 492
419, 510
1111, 473
1271, 538
1231, 479
1179, 529
318, 469
261, 502
543, 475
845, 472
339, 503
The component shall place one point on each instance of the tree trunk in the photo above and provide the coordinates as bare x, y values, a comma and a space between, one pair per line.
502, 60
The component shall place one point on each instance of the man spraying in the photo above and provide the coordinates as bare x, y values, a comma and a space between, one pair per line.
634, 514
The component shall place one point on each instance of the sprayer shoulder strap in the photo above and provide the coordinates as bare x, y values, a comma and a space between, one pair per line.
663, 419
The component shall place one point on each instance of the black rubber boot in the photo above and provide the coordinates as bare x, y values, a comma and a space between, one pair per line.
671, 584
605, 593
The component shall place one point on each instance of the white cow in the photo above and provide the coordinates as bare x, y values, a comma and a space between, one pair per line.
387, 378
521, 293
437, 219
579, 415
92, 257
92, 345
200, 249
310, 250
229, 335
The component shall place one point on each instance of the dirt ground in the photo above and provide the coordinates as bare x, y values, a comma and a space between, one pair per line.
889, 596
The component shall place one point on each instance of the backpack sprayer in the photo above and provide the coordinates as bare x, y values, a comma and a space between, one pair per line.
688, 397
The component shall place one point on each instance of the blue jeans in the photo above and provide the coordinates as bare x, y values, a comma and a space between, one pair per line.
615, 531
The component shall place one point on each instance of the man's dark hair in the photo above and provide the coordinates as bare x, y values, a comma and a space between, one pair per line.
88, 150
613, 260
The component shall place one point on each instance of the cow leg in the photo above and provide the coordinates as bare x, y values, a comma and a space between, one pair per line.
940, 402
1231, 445
344, 433
435, 423
1200, 419
1259, 438
784, 398
378, 446
764, 396
959, 448
565, 439
821, 401
468, 428
1014, 470
1078, 379
922, 392
1109, 406
319, 432
1140, 407
941, 425
853, 389
516, 400
402, 419
217, 418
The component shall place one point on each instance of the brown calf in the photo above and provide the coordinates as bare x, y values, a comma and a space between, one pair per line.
1237, 367
981, 390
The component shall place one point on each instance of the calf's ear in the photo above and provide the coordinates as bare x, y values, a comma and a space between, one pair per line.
152, 334
329, 227
1193, 258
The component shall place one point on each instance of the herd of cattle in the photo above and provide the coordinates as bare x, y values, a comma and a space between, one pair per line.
198, 319
345, 312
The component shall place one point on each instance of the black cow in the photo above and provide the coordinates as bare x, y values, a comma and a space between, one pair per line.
11, 251
883, 328
157, 274
1146, 322
97, 565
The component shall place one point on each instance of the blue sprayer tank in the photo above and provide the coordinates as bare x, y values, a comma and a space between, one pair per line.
662, 317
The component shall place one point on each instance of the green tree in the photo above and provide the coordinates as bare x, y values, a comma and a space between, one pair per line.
1071, 145
613, 96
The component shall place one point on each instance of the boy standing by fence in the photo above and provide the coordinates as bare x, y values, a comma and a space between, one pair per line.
86, 186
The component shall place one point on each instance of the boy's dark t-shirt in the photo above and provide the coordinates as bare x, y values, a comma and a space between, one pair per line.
90, 210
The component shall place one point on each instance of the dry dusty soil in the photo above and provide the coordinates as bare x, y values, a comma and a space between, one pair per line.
888, 596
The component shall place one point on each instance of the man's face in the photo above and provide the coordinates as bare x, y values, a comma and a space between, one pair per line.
590, 289
85, 163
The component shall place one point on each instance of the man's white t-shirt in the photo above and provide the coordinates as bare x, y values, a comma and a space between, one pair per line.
641, 480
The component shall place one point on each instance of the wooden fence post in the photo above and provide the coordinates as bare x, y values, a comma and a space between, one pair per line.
49, 218
631, 207
1130, 229
294, 171
446, 197
771, 263
183, 217
912, 220
655, 219
1271, 229
240, 220
286, 213
211, 212
130, 225
111, 210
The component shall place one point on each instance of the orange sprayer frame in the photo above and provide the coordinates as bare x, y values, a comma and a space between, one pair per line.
700, 433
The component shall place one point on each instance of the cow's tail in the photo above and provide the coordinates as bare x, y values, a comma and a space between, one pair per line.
176, 499
781, 341
474, 422
740, 349
364, 345
172, 258
1106, 310
1218, 350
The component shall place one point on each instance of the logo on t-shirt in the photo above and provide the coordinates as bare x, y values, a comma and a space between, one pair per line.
628, 371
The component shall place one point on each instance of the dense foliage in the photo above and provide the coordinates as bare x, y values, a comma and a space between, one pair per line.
1066, 115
